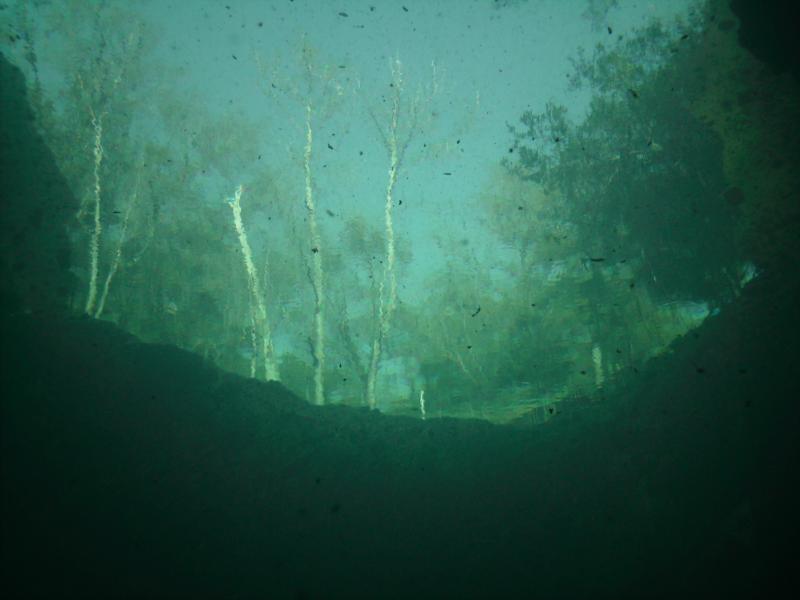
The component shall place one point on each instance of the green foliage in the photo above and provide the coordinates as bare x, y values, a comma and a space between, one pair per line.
596, 223
640, 175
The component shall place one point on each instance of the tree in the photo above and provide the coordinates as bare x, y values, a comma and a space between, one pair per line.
403, 119
319, 93
641, 174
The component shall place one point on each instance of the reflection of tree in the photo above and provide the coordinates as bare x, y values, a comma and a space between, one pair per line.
529, 222
601, 223
405, 118
641, 176
354, 300
597, 12
319, 92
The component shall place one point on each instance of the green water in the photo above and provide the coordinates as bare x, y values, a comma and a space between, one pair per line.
562, 367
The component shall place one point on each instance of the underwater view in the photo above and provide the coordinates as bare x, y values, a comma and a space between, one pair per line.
399, 298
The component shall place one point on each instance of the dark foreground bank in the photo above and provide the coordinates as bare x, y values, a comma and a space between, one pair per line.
132, 469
